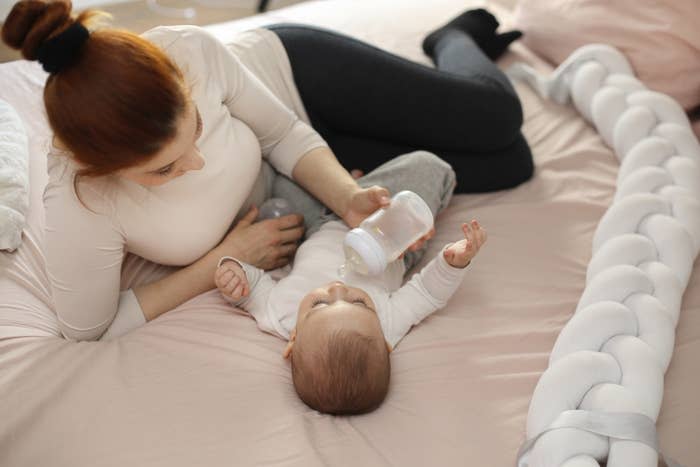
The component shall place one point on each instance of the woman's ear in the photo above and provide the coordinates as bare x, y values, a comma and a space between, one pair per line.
288, 349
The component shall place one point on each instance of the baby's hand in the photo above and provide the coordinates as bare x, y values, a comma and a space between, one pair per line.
459, 254
231, 280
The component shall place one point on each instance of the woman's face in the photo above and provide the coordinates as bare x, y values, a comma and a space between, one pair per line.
177, 157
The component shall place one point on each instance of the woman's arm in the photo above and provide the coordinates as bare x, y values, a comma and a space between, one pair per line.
319, 172
268, 243
171, 291
84, 252
292, 146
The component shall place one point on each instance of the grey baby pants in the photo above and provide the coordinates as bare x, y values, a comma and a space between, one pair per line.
420, 171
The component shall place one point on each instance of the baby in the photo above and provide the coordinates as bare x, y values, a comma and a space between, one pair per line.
341, 334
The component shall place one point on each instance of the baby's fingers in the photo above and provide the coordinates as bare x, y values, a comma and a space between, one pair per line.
233, 283
223, 276
468, 231
237, 292
479, 234
469, 247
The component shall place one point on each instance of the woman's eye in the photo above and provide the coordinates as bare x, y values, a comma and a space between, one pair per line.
165, 171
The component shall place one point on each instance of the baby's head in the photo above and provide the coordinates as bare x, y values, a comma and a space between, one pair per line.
340, 359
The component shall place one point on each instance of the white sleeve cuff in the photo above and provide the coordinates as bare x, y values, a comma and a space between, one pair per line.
129, 316
228, 258
251, 272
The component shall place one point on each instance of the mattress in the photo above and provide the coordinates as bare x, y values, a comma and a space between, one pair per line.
201, 385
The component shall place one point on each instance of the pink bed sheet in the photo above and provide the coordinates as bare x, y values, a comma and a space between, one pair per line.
202, 386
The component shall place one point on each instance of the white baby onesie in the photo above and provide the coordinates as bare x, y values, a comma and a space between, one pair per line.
274, 305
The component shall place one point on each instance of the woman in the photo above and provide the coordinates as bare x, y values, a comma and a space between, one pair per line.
158, 144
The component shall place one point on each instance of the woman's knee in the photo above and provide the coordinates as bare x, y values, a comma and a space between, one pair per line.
505, 116
497, 170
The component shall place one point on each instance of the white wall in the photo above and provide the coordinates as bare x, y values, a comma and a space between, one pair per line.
78, 5
5, 7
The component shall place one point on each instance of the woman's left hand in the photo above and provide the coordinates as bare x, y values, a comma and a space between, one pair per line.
363, 203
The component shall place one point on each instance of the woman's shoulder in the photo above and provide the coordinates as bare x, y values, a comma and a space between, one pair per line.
66, 191
193, 50
183, 39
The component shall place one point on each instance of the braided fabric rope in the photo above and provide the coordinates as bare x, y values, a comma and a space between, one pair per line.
611, 357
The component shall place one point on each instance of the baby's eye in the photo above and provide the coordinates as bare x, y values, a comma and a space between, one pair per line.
360, 301
200, 126
318, 302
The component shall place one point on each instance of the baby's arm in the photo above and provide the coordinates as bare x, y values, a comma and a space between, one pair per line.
248, 287
431, 288
243, 285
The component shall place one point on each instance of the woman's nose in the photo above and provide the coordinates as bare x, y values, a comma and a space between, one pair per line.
195, 161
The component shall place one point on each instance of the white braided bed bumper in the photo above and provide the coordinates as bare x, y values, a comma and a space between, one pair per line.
601, 395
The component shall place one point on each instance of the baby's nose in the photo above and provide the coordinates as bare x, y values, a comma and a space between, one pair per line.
337, 290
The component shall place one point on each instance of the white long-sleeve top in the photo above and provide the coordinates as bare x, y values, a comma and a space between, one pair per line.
180, 221
275, 305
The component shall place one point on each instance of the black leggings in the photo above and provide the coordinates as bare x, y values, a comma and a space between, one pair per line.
371, 106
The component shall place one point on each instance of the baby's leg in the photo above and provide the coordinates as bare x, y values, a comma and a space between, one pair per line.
423, 173
420, 171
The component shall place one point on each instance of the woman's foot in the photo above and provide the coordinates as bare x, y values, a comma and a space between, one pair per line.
481, 26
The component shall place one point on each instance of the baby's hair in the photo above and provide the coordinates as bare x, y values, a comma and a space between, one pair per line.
350, 377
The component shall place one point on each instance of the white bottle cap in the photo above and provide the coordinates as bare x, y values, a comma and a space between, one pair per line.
368, 249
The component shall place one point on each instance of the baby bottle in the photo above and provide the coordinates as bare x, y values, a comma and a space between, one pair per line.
384, 235
274, 208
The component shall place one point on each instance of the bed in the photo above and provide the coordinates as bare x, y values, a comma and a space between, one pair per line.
202, 386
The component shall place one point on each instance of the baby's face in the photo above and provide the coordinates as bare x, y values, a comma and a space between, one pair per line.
335, 306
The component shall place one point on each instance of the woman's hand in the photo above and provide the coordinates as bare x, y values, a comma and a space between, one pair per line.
267, 244
363, 203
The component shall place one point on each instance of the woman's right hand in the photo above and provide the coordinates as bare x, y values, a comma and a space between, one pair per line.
268, 244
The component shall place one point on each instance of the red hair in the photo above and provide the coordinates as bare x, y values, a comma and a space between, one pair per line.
118, 103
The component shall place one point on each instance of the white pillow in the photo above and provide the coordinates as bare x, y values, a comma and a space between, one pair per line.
14, 177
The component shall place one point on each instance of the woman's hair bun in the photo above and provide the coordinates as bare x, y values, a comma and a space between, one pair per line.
32, 22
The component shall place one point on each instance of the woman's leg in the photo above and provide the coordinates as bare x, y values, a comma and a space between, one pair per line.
371, 105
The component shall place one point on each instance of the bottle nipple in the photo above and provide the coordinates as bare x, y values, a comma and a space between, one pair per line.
342, 270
